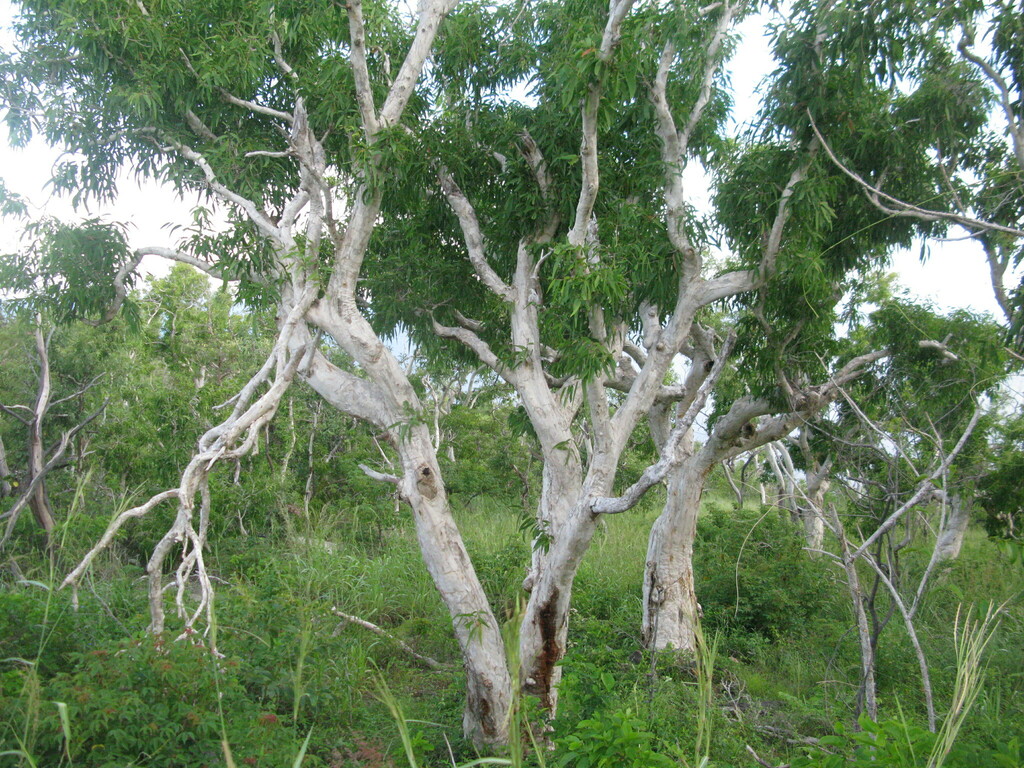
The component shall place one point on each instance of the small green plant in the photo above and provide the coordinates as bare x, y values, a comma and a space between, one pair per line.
616, 739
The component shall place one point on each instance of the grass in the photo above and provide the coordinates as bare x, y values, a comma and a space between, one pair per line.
307, 677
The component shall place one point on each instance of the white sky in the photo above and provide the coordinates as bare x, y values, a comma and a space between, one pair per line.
954, 275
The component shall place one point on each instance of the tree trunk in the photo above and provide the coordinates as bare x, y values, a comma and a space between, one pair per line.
670, 604
545, 625
866, 696
951, 536
488, 684
5, 471
39, 502
811, 512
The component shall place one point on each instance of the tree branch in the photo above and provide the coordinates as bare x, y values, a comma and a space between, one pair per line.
429, 662
480, 348
360, 71
260, 219
257, 108
924, 487
432, 12
876, 195
670, 457
472, 235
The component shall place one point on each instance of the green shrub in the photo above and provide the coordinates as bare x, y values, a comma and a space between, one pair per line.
161, 704
610, 739
898, 744
752, 575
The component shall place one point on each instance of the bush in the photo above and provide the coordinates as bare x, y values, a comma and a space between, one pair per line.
611, 739
160, 704
898, 744
753, 576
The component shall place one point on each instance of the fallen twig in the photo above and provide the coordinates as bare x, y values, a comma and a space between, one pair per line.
762, 761
433, 664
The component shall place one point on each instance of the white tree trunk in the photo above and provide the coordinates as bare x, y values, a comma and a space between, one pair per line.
488, 684
812, 512
39, 501
951, 535
545, 625
670, 604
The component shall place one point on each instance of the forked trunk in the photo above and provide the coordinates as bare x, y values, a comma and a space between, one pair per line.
545, 625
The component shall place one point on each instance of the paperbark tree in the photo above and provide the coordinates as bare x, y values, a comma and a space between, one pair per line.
41, 459
556, 285
948, 82
290, 124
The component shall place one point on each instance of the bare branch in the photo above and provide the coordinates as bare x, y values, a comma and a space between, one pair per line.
11, 410
380, 476
908, 621
713, 61
472, 235
54, 461
267, 153
617, 12
197, 125
360, 71
590, 182
429, 662
924, 488
480, 348
279, 59
773, 244
535, 158
432, 12
939, 347
184, 258
260, 219
1006, 98
112, 529
876, 195
670, 457
257, 108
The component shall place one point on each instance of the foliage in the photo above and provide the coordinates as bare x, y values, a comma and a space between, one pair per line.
612, 738
164, 704
899, 744
1001, 494
753, 577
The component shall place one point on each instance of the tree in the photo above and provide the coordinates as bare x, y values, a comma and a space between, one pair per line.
41, 458
903, 447
291, 123
550, 241
946, 82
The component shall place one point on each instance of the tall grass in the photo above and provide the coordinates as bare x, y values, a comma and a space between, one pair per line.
971, 636
704, 658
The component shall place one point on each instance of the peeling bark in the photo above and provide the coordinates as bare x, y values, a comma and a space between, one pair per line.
670, 610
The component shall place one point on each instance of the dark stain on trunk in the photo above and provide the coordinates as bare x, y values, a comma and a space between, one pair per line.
550, 653
480, 706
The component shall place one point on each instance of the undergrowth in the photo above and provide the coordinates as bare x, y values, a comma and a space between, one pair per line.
86, 687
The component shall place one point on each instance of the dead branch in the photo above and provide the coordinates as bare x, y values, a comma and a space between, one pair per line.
433, 664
